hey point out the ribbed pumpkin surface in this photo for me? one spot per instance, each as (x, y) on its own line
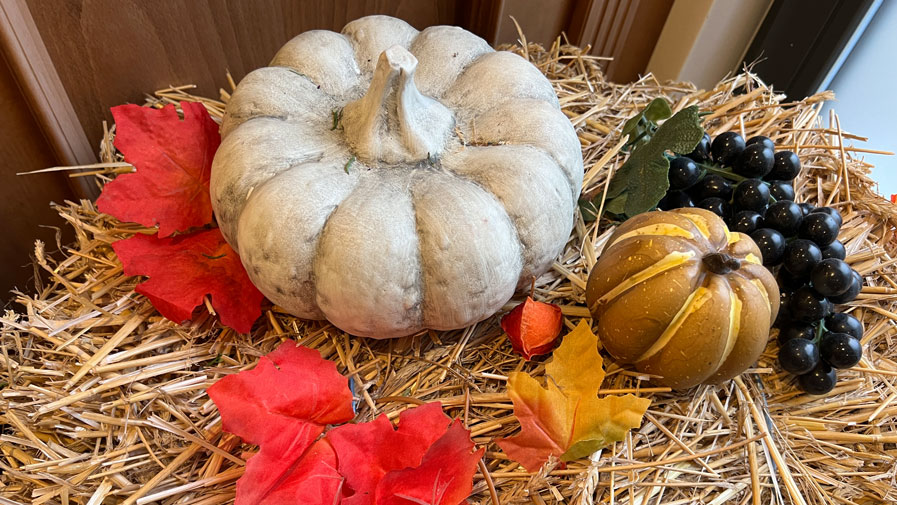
(682, 298)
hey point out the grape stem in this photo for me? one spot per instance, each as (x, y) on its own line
(722, 172)
(820, 329)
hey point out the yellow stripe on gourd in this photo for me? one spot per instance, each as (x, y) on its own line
(666, 263)
(661, 229)
(751, 258)
(695, 301)
(700, 223)
(734, 326)
(762, 288)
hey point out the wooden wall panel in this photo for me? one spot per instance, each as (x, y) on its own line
(25, 201)
(625, 30)
(109, 52)
(540, 21)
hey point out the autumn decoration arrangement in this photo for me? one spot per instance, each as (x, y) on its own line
(393, 181)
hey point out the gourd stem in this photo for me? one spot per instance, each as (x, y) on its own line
(721, 263)
(393, 122)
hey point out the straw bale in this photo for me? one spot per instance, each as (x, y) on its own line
(103, 400)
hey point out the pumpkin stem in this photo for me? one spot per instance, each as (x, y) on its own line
(393, 122)
(721, 263)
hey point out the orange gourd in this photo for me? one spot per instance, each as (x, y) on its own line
(682, 298)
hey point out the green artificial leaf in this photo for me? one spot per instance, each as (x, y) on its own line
(644, 178)
(620, 183)
(589, 208)
(617, 205)
(644, 123)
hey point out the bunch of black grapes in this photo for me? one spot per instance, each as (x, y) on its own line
(749, 185)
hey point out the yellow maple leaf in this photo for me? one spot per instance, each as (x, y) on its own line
(565, 417)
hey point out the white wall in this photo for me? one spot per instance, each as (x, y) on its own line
(866, 94)
(703, 40)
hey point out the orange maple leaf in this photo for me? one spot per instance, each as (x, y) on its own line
(565, 417)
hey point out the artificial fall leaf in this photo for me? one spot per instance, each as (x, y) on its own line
(291, 477)
(426, 461)
(283, 405)
(533, 327)
(444, 477)
(183, 269)
(173, 158)
(565, 418)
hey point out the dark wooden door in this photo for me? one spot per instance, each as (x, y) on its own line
(109, 52)
(24, 200)
(70, 60)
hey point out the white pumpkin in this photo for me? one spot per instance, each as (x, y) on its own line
(450, 180)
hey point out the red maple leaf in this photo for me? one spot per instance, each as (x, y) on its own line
(424, 461)
(286, 477)
(173, 158)
(282, 405)
(444, 477)
(533, 327)
(183, 269)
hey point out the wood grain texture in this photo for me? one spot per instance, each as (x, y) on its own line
(626, 30)
(24, 200)
(109, 52)
(539, 23)
(42, 89)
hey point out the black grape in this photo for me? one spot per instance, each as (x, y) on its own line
(839, 322)
(751, 194)
(818, 381)
(711, 186)
(831, 277)
(783, 318)
(781, 190)
(840, 350)
(701, 152)
(834, 250)
(760, 139)
(798, 355)
(820, 228)
(797, 330)
(800, 257)
(806, 208)
(785, 166)
(684, 173)
(856, 285)
(726, 148)
(755, 161)
(716, 205)
(808, 306)
(745, 221)
(675, 200)
(771, 244)
(783, 216)
(789, 282)
(832, 212)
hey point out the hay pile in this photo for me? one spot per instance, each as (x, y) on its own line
(103, 400)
